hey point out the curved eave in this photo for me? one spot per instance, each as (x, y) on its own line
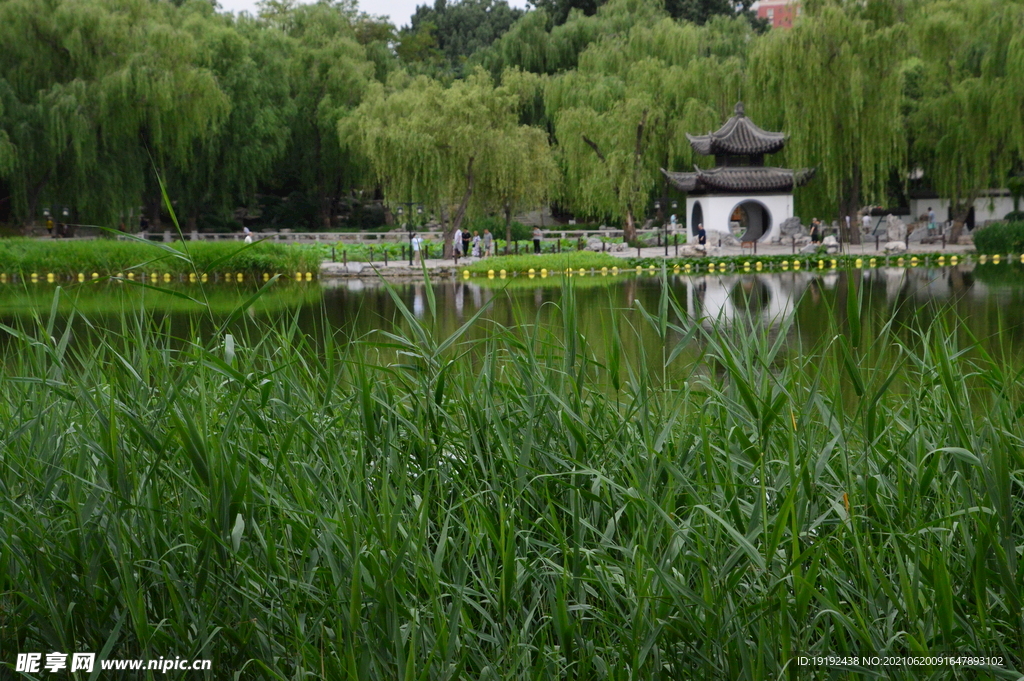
(739, 180)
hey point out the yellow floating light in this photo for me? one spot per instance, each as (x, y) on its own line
(531, 275)
(821, 264)
(465, 274)
(858, 263)
(298, 276)
(3, 278)
(746, 265)
(490, 274)
(834, 263)
(721, 267)
(35, 277)
(995, 259)
(675, 269)
(203, 278)
(651, 269)
(131, 276)
(953, 259)
(167, 276)
(309, 276)
(95, 275)
(503, 274)
(1022, 257)
(615, 271)
(582, 271)
(687, 267)
(758, 265)
(49, 277)
(796, 264)
(872, 262)
(266, 276)
(531, 271)
(913, 261)
(81, 277)
(900, 262)
(543, 273)
(241, 276)
(942, 260)
(785, 264)
(638, 269)
(192, 277)
(982, 259)
(604, 271)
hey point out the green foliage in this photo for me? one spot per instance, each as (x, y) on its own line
(1000, 237)
(965, 121)
(833, 83)
(330, 512)
(459, 29)
(550, 261)
(108, 257)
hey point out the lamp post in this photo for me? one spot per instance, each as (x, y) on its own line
(408, 225)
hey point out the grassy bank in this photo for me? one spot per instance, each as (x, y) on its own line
(110, 256)
(553, 262)
(516, 507)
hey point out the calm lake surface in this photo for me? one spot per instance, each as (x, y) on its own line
(989, 298)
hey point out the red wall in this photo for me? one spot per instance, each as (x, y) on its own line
(784, 12)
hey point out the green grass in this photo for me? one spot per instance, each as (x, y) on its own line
(553, 262)
(513, 507)
(110, 256)
(1005, 238)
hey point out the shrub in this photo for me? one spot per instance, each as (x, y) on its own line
(1001, 237)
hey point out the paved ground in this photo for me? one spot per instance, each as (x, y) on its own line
(442, 267)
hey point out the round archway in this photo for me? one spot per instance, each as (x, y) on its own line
(751, 220)
(696, 217)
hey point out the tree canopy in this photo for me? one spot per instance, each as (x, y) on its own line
(300, 115)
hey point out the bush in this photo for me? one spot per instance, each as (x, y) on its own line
(1014, 216)
(1001, 237)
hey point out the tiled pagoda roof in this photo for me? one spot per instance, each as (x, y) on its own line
(738, 135)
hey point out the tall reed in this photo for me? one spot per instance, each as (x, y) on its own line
(511, 506)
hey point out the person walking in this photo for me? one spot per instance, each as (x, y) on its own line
(488, 243)
(536, 239)
(457, 245)
(417, 244)
(476, 244)
(866, 221)
(931, 221)
(815, 231)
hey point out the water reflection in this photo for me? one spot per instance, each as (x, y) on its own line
(989, 300)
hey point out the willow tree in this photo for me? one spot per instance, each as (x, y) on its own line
(86, 120)
(440, 145)
(625, 110)
(833, 83)
(966, 117)
(328, 74)
(251, 67)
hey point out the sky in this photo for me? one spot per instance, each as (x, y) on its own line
(398, 10)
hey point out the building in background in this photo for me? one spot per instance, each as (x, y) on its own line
(779, 13)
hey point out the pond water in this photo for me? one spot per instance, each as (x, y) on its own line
(989, 298)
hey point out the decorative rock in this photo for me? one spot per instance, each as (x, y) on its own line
(594, 244)
(895, 247)
(895, 230)
(829, 242)
(791, 227)
(617, 247)
(692, 251)
(832, 250)
(918, 235)
(809, 248)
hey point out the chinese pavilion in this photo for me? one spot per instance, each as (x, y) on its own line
(740, 188)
